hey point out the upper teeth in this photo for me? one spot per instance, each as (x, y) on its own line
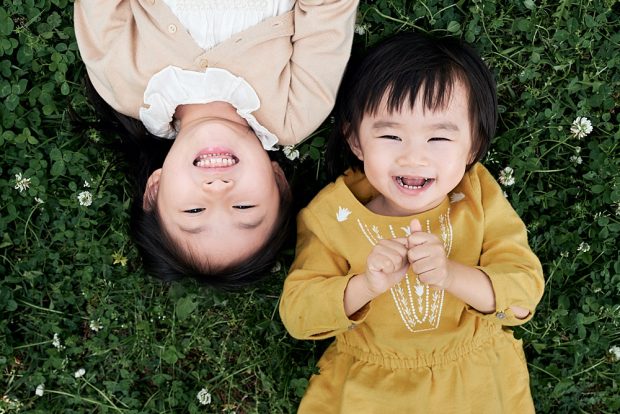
(212, 160)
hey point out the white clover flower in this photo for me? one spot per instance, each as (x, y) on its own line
(96, 326)
(86, 184)
(38, 200)
(614, 351)
(583, 247)
(576, 159)
(581, 127)
(360, 29)
(56, 342)
(79, 373)
(11, 404)
(290, 152)
(40, 390)
(276, 267)
(85, 198)
(204, 397)
(617, 209)
(21, 183)
(506, 177)
(564, 254)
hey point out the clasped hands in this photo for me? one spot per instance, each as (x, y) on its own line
(389, 260)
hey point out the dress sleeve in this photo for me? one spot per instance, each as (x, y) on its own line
(321, 50)
(312, 301)
(514, 270)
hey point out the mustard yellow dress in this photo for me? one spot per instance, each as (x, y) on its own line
(413, 349)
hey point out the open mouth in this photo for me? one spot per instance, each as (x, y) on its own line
(216, 160)
(413, 183)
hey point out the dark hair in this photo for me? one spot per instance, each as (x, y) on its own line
(399, 67)
(161, 256)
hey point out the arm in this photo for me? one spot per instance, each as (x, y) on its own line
(123, 43)
(321, 50)
(311, 305)
(507, 283)
(471, 285)
(506, 259)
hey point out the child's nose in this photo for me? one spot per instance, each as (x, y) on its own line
(413, 157)
(217, 185)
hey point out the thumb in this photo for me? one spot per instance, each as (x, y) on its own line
(415, 226)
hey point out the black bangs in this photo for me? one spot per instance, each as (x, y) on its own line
(401, 69)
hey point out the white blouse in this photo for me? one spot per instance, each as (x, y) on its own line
(209, 22)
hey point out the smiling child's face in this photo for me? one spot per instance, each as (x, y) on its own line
(217, 193)
(414, 157)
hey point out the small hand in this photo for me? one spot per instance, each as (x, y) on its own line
(428, 257)
(386, 265)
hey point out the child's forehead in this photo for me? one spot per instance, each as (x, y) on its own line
(433, 99)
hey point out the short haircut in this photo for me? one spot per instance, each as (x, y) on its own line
(162, 258)
(165, 259)
(401, 68)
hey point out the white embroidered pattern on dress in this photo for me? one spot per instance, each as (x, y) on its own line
(418, 305)
(342, 214)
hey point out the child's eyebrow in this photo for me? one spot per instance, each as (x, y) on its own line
(243, 226)
(445, 125)
(385, 124)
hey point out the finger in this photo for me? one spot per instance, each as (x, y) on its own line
(422, 237)
(423, 267)
(401, 240)
(424, 250)
(399, 245)
(381, 263)
(415, 255)
(415, 226)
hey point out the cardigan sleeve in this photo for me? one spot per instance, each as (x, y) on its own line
(312, 301)
(123, 43)
(321, 49)
(506, 258)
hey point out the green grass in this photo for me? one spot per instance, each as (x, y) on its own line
(67, 268)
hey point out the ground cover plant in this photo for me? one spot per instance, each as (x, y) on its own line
(82, 329)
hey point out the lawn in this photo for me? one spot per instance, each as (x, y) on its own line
(83, 329)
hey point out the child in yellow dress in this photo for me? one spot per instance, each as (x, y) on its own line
(413, 259)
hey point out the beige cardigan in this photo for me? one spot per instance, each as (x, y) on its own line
(293, 61)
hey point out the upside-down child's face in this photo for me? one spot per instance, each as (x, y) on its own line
(415, 157)
(217, 193)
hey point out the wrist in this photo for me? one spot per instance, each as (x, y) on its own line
(450, 272)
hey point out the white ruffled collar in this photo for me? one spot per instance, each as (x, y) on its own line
(174, 86)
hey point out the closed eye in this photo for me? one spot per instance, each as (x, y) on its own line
(243, 207)
(392, 137)
(439, 139)
(194, 210)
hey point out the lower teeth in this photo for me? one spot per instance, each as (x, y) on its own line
(410, 187)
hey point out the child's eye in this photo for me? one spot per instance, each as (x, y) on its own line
(393, 137)
(243, 207)
(193, 210)
(439, 139)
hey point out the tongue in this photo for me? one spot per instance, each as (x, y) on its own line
(416, 182)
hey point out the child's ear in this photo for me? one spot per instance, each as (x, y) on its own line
(150, 193)
(354, 144)
(281, 181)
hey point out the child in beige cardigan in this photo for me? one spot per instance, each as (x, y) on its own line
(228, 84)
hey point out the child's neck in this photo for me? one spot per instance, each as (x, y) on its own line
(186, 114)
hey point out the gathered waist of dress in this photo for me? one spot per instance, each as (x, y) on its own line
(481, 340)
